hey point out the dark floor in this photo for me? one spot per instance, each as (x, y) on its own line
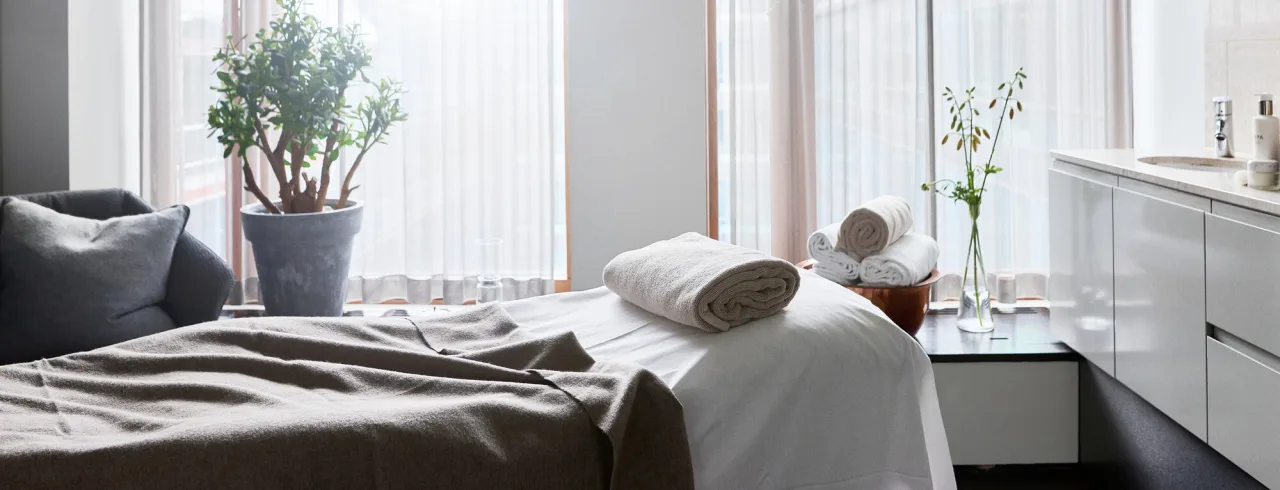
(1037, 477)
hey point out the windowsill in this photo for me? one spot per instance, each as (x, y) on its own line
(1022, 306)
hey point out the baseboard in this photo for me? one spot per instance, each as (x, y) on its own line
(1037, 476)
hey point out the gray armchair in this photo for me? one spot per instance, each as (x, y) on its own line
(199, 281)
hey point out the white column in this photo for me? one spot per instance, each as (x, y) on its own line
(636, 117)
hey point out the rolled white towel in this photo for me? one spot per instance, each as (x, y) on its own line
(703, 283)
(874, 225)
(832, 265)
(905, 262)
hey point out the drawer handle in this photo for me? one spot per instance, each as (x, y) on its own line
(1245, 348)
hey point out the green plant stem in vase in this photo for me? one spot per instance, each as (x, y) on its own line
(975, 299)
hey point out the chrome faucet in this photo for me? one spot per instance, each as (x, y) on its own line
(1222, 127)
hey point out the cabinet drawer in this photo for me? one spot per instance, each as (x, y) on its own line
(1242, 277)
(1244, 424)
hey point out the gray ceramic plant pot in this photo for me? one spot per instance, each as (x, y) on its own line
(302, 259)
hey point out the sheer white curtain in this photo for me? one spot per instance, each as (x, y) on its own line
(872, 75)
(481, 156)
(744, 64)
(1074, 98)
(873, 105)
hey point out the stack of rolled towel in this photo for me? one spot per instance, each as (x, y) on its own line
(874, 245)
(703, 283)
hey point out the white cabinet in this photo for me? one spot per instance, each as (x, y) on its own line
(1080, 262)
(1178, 297)
(1244, 424)
(1160, 299)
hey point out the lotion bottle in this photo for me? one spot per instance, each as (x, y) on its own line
(1266, 130)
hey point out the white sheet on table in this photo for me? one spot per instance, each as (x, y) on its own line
(828, 394)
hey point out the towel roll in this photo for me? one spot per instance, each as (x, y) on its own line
(905, 262)
(874, 225)
(703, 283)
(832, 265)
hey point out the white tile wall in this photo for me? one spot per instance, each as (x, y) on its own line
(1242, 58)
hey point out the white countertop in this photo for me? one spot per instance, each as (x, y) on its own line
(1218, 186)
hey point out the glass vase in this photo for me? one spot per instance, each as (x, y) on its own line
(974, 313)
(490, 281)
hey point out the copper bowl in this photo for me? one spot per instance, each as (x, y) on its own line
(905, 305)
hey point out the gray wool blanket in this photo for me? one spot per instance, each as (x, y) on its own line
(460, 401)
(703, 283)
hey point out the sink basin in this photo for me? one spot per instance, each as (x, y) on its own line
(1202, 164)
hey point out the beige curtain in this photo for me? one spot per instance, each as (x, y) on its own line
(1119, 76)
(765, 123)
(792, 161)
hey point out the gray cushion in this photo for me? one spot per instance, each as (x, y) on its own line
(199, 280)
(73, 284)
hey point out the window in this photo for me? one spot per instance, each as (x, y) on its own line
(201, 178)
(481, 156)
(873, 71)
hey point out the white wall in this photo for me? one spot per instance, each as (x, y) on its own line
(1242, 58)
(1169, 96)
(33, 95)
(105, 122)
(636, 115)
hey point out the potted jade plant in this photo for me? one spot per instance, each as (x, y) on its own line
(975, 300)
(285, 93)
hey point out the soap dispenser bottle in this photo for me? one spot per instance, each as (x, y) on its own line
(1266, 130)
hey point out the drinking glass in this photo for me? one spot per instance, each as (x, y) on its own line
(490, 280)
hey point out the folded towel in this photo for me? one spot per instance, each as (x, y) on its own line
(905, 262)
(832, 264)
(703, 283)
(874, 225)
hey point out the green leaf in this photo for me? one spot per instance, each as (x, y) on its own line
(1019, 106)
(993, 104)
(944, 138)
